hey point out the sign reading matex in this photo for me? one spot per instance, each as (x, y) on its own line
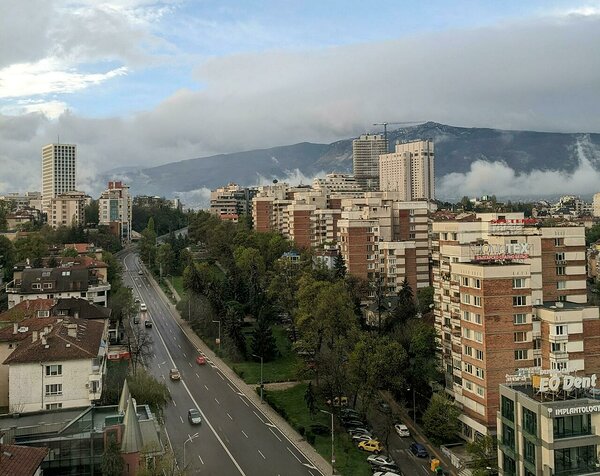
(507, 251)
(566, 382)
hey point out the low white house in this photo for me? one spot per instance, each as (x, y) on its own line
(60, 367)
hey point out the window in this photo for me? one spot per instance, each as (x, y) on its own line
(53, 406)
(578, 460)
(520, 318)
(508, 408)
(479, 372)
(477, 336)
(559, 366)
(575, 425)
(519, 300)
(529, 452)
(468, 385)
(465, 281)
(468, 351)
(561, 285)
(43, 314)
(508, 436)
(559, 241)
(560, 256)
(518, 283)
(36, 286)
(467, 333)
(53, 370)
(466, 316)
(480, 391)
(47, 285)
(477, 318)
(529, 422)
(537, 361)
(54, 389)
(467, 367)
(560, 270)
(560, 330)
(508, 465)
(477, 301)
(479, 354)
(477, 283)
(520, 336)
(466, 299)
(521, 354)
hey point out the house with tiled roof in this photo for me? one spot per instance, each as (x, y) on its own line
(17, 460)
(60, 367)
(62, 282)
(27, 309)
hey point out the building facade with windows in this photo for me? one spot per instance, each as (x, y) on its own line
(115, 210)
(366, 150)
(68, 209)
(58, 171)
(495, 278)
(547, 433)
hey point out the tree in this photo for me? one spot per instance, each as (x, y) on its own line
(440, 420)
(7, 257)
(263, 342)
(310, 399)
(339, 267)
(139, 344)
(32, 247)
(192, 279)
(146, 389)
(69, 253)
(112, 461)
(405, 309)
(91, 213)
(484, 456)
(165, 258)
(425, 299)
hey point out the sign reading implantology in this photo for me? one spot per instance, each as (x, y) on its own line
(575, 410)
(507, 251)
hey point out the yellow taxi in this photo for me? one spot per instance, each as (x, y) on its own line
(372, 446)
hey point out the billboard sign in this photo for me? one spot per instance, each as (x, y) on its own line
(507, 251)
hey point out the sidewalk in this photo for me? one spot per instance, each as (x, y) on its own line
(416, 431)
(309, 452)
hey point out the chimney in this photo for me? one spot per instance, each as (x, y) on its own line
(15, 327)
(72, 330)
(34, 336)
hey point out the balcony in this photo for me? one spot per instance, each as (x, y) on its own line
(559, 338)
(13, 287)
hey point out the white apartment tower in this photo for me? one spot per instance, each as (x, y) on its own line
(365, 159)
(409, 170)
(58, 171)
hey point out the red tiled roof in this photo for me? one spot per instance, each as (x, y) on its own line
(26, 309)
(81, 248)
(8, 334)
(60, 345)
(20, 460)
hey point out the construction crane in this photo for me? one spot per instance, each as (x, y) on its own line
(385, 124)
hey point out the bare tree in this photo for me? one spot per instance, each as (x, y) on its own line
(139, 343)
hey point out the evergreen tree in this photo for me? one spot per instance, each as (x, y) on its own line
(192, 279)
(339, 267)
(406, 308)
(112, 462)
(263, 341)
(310, 399)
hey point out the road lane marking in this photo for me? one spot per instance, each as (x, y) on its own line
(219, 374)
(217, 401)
(185, 356)
(245, 402)
(229, 385)
(179, 346)
(174, 403)
(230, 417)
(201, 460)
(206, 420)
(197, 375)
(181, 418)
(269, 424)
(261, 420)
(309, 466)
(190, 364)
(264, 457)
(240, 394)
(205, 386)
(274, 434)
(244, 433)
(292, 453)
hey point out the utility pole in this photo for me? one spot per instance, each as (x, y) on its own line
(332, 440)
(261, 376)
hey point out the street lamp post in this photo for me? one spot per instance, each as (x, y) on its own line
(219, 339)
(190, 438)
(261, 376)
(332, 453)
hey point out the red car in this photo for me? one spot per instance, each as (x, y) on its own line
(201, 360)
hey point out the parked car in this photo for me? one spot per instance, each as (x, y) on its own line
(359, 431)
(201, 360)
(372, 446)
(174, 374)
(401, 430)
(384, 407)
(194, 416)
(147, 323)
(389, 473)
(354, 424)
(349, 412)
(418, 450)
(339, 400)
(381, 461)
(358, 438)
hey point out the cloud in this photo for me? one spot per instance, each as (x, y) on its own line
(497, 178)
(536, 75)
(50, 109)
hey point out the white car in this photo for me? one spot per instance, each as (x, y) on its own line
(381, 461)
(386, 473)
(143, 307)
(402, 430)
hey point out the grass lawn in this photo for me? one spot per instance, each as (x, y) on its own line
(177, 283)
(350, 461)
(282, 369)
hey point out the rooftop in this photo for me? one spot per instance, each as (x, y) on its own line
(22, 330)
(562, 305)
(20, 460)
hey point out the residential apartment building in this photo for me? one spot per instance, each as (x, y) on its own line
(492, 274)
(232, 201)
(58, 171)
(338, 184)
(68, 209)
(596, 205)
(365, 159)
(410, 170)
(20, 201)
(61, 367)
(115, 210)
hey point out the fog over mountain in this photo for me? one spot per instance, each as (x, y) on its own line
(469, 161)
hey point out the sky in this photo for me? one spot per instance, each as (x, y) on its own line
(145, 82)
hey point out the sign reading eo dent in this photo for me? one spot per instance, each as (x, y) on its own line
(566, 382)
(507, 251)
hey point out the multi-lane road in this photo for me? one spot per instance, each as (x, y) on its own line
(235, 437)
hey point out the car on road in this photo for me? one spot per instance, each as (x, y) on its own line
(381, 461)
(372, 446)
(201, 360)
(136, 319)
(137, 300)
(143, 307)
(141, 273)
(396, 472)
(401, 430)
(174, 374)
(148, 323)
(194, 416)
(418, 450)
